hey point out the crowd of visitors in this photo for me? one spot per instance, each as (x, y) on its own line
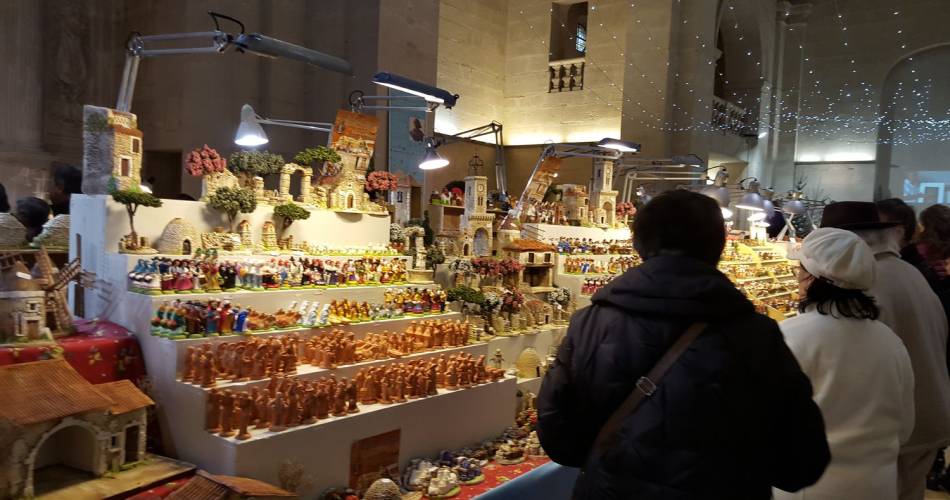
(671, 386)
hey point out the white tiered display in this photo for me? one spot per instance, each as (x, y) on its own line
(451, 419)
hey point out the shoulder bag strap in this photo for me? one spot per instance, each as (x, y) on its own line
(645, 387)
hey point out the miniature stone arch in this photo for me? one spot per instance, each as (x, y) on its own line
(306, 190)
(89, 457)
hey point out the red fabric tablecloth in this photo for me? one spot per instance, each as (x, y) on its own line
(495, 475)
(99, 350)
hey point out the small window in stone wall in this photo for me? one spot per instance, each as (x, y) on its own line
(568, 30)
(136, 145)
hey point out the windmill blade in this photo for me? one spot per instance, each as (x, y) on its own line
(57, 304)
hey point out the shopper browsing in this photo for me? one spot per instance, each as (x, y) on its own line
(861, 372)
(911, 309)
(732, 416)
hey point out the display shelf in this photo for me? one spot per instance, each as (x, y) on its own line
(750, 280)
(250, 293)
(307, 372)
(552, 231)
(774, 296)
(358, 329)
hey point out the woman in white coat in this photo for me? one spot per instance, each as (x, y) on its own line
(859, 369)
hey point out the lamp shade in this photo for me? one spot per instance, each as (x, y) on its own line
(794, 207)
(768, 207)
(423, 90)
(432, 160)
(618, 145)
(250, 132)
(720, 194)
(751, 201)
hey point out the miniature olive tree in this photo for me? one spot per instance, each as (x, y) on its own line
(250, 164)
(317, 157)
(289, 212)
(133, 199)
(233, 200)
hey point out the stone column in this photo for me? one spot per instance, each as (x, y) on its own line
(21, 96)
(790, 27)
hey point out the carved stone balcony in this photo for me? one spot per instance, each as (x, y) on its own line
(566, 75)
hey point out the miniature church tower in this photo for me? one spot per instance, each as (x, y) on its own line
(112, 149)
(476, 223)
(603, 199)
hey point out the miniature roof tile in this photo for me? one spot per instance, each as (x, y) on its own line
(18, 279)
(523, 245)
(205, 486)
(125, 396)
(45, 390)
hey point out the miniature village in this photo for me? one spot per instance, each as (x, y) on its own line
(284, 329)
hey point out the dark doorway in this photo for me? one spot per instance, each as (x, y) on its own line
(132, 444)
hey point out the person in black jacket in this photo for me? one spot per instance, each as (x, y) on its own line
(734, 415)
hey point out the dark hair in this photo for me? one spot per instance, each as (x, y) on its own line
(848, 303)
(4, 202)
(895, 210)
(69, 178)
(935, 220)
(680, 222)
(32, 212)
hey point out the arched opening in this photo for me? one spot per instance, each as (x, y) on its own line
(66, 457)
(349, 201)
(296, 184)
(481, 242)
(186, 247)
(465, 249)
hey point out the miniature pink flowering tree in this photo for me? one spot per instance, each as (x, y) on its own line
(204, 161)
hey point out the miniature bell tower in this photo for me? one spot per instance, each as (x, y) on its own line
(603, 199)
(476, 223)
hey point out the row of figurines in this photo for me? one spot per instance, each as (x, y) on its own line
(288, 402)
(211, 318)
(616, 265)
(260, 358)
(162, 275)
(591, 285)
(514, 446)
(591, 246)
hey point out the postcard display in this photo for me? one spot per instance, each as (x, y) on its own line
(343, 226)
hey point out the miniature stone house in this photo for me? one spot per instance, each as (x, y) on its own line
(112, 149)
(269, 236)
(22, 306)
(476, 223)
(55, 234)
(178, 238)
(346, 191)
(538, 261)
(244, 229)
(603, 199)
(53, 416)
(12, 232)
(576, 201)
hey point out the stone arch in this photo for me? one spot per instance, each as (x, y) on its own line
(306, 177)
(95, 461)
(186, 246)
(466, 250)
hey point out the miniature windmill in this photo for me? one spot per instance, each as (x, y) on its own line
(54, 284)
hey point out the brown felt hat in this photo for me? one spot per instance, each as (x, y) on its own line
(854, 215)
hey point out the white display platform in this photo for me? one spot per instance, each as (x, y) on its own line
(450, 420)
(553, 231)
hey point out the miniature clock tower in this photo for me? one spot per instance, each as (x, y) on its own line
(603, 199)
(476, 223)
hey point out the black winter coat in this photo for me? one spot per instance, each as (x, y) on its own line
(732, 418)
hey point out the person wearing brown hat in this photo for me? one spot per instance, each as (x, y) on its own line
(911, 309)
(863, 380)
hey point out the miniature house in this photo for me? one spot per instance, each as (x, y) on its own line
(178, 238)
(476, 223)
(52, 417)
(506, 235)
(22, 306)
(12, 232)
(346, 191)
(112, 149)
(538, 261)
(214, 487)
(603, 199)
(55, 234)
(244, 229)
(575, 201)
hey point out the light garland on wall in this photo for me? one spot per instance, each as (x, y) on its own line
(921, 126)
